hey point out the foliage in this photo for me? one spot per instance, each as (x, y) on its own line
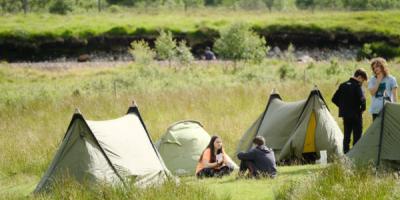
(238, 42)
(381, 49)
(184, 55)
(334, 68)
(165, 46)
(287, 71)
(142, 53)
(60, 7)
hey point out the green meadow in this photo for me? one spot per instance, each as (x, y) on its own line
(36, 106)
(147, 23)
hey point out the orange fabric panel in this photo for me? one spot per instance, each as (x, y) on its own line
(309, 143)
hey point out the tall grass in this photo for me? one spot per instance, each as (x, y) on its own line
(37, 105)
(343, 180)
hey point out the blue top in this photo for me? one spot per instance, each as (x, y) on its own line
(385, 89)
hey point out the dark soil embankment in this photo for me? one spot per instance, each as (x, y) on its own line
(40, 48)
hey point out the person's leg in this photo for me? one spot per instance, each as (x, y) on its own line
(225, 170)
(242, 168)
(206, 172)
(347, 124)
(357, 129)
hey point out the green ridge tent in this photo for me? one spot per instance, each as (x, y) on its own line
(181, 146)
(380, 144)
(296, 130)
(111, 151)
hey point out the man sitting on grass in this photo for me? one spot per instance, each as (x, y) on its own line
(260, 160)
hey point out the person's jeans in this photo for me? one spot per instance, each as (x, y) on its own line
(211, 172)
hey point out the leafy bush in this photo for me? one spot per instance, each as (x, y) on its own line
(60, 7)
(238, 42)
(142, 53)
(184, 55)
(250, 4)
(381, 49)
(115, 9)
(286, 71)
(333, 68)
(165, 46)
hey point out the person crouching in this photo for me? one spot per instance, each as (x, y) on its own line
(213, 161)
(259, 161)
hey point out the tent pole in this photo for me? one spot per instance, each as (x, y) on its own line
(381, 135)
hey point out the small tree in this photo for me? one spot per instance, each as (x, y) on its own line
(238, 42)
(184, 55)
(142, 53)
(269, 4)
(60, 7)
(165, 46)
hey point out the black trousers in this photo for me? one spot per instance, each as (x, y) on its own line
(374, 116)
(211, 172)
(351, 125)
(247, 165)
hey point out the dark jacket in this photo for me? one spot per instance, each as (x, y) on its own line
(350, 99)
(209, 55)
(262, 157)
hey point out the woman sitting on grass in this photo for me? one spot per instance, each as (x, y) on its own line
(213, 161)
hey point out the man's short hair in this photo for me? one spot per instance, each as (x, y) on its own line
(259, 140)
(361, 72)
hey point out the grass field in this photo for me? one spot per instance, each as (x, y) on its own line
(134, 22)
(36, 106)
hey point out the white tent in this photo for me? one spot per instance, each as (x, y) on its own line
(110, 151)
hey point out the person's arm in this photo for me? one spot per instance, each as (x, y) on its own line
(207, 164)
(250, 155)
(206, 160)
(373, 86)
(394, 89)
(394, 92)
(361, 99)
(336, 97)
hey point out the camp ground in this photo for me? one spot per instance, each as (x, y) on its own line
(296, 130)
(380, 144)
(181, 146)
(113, 151)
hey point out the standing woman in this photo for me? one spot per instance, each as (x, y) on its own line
(213, 161)
(381, 85)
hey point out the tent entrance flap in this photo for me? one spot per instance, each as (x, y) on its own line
(309, 142)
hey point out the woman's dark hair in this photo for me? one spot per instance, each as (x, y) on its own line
(211, 146)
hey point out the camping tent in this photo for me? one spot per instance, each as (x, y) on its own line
(181, 146)
(381, 142)
(111, 151)
(296, 130)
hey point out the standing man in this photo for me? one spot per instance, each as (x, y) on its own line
(259, 160)
(350, 99)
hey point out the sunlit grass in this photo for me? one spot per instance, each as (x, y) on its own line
(36, 107)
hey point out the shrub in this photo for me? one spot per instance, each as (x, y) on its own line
(60, 7)
(333, 68)
(184, 55)
(286, 71)
(238, 42)
(142, 53)
(165, 46)
(115, 9)
(381, 49)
